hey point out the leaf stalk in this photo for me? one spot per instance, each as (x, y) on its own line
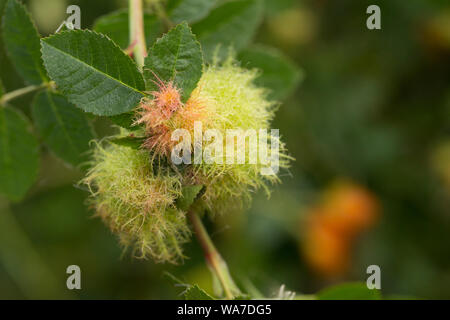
(213, 258)
(22, 91)
(137, 33)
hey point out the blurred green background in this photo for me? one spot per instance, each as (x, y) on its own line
(373, 108)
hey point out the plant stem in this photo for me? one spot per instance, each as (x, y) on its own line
(20, 92)
(137, 34)
(213, 258)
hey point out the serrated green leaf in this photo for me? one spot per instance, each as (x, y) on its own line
(176, 57)
(64, 128)
(194, 292)
(189, 10)
(93, 72)
(232, 24)
(349, 291)
(130, 141)
(278, 73)
(116, 26)
(22, 43)
(8, 73)
(189, 194)
(18, 154)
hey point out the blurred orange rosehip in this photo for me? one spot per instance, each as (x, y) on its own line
(344, 211)
(349, 209)
(326, 251)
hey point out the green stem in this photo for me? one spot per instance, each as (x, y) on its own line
(137, 34)
(213, 258)
(20, 92)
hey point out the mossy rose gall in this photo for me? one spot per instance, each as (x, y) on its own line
(135, 190)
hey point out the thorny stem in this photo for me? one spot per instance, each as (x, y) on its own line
(213, 258)
(22, 91)
(137, 34)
